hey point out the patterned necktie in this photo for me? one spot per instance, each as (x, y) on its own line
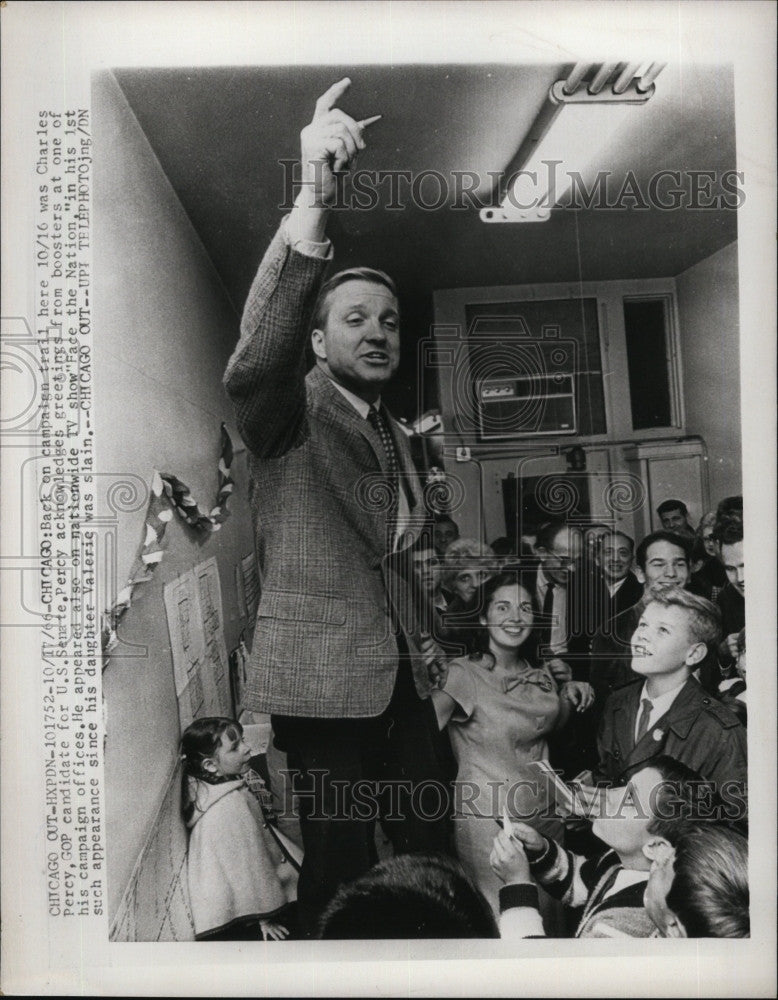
(645, 715)
(548, 614)
(381, 427)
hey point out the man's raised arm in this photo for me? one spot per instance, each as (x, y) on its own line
(265, 377)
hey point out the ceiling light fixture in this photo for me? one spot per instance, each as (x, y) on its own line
(574, 126)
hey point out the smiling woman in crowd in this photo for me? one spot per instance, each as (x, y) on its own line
(500, 705)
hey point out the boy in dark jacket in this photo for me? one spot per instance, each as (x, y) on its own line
(667, 711)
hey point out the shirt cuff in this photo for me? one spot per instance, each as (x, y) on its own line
(308, 248)
(519, 912)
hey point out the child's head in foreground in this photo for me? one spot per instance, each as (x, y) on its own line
(410, 896)
(673, 634)
(699, 888)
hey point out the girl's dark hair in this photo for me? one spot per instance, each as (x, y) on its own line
(410, 896)
(508, 576)
(201, 740)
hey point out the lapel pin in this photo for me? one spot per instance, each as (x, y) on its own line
(658, 734)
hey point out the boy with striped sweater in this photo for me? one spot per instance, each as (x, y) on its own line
(633, 821)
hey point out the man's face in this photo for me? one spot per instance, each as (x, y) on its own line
(732, 557)
(740, 664)
(426, 566)
(666, 566)
(558, 560)
(661, 644)
(443, 534)
(360, 344)
(675, 520)
(615, 557)
(627, 813)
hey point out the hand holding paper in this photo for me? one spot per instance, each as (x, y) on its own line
(508, 859)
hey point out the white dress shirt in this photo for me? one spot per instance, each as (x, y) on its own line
(403, 510)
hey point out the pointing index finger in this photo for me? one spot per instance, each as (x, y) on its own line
(330, 97)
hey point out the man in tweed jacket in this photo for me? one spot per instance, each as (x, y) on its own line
(334, 619)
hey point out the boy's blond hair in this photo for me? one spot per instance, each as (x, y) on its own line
(703, 618)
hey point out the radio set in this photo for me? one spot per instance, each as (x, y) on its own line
(526, 405)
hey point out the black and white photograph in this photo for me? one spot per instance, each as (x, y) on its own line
(387, 388)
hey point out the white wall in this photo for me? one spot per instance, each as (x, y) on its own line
(710, 345)
(163, 332)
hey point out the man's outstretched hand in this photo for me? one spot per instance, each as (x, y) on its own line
(329, 145)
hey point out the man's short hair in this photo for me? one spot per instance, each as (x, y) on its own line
(730, 506)
(322, 307)
(667, 505)
(679, 541)
(709, 893)
(703, 617)
(410, 896)
(615, 534)
(728, 530)
(548, 532)
(677, 799)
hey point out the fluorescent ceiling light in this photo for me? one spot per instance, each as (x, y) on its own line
(566, 144)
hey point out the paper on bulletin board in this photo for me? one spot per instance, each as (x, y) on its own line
(196, 625)
(216, 674)
(187, 642)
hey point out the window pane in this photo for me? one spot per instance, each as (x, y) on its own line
(649, 380)
(564, 337)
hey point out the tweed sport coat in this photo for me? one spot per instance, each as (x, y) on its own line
(325, 643)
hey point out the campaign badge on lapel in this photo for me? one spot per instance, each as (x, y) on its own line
(658, 734)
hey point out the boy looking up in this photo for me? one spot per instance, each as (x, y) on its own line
(666, 710)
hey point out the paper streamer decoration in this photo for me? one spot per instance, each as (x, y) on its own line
(168, 494)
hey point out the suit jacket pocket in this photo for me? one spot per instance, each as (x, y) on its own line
(291, 606)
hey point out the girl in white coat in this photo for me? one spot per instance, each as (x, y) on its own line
(242, 874)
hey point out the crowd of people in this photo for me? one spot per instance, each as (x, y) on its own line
(549, 728)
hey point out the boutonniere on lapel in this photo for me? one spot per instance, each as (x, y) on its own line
(658, 734)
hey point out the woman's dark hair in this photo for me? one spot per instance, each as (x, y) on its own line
(200, 741)
(509, 576)
(410, 896)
